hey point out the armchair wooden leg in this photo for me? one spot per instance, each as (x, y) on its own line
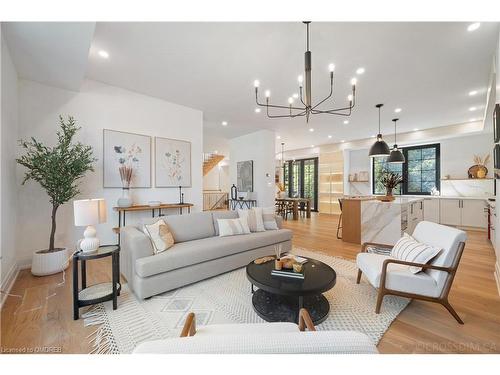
(452, 311)
(380, 298)
(359, 276)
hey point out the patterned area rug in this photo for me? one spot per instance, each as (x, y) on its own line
(227, 299)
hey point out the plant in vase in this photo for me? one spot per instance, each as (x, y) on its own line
(390, 180)
(126, 172)
(57, 169)
(277, 252)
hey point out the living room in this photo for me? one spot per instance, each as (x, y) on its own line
(169, 189)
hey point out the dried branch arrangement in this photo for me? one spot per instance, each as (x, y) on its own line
(390, 179)
(126, 175)
(478, 160)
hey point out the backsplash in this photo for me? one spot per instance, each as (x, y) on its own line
(467, 188)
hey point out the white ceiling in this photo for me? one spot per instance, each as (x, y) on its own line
(427, 69)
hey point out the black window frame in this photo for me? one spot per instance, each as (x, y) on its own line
(404, 185)
(290, 183)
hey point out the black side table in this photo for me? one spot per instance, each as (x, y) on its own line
(91, 295)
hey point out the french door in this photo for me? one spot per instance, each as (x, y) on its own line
(301, 179)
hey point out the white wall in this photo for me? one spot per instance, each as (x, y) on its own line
(359, 161)
(259, 147)
(8, 167)
(97, 106)
(218, 178)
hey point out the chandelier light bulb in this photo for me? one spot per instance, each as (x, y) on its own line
(295, 96)
(256, 83)
(331, 68)
(268, 93)
(349, 97)
(354, 81)
(300, 79)
(290, 100)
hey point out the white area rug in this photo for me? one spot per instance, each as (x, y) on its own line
(227, 299)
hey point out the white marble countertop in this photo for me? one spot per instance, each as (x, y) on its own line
(398, 200)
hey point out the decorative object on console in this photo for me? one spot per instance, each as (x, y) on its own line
(396, 156)
(57, 169)
(128, 150)
(172, 162)
(244, 175)
(234, 192)
(126, 172)
(308, 108)
(379, 148)
(390, 181)
(479, 170)
(89, 212)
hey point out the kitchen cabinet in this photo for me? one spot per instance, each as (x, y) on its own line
(463, 212)
(415, 215)
(431, 210)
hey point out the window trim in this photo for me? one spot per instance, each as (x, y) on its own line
(404, 185)
(289, 163)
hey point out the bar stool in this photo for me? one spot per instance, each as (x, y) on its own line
(339, 225)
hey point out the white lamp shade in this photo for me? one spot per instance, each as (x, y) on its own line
(89, 212)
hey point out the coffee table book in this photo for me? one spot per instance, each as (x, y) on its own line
(288, 273)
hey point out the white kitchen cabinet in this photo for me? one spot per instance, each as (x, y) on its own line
(415, 215)
(431, 210)
(450, 211)
(474, 213)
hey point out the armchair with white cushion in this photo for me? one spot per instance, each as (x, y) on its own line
(393, 276)
(259, 338)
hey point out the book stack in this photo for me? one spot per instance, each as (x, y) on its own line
(288, 274)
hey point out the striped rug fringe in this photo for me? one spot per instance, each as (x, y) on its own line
(102, 339)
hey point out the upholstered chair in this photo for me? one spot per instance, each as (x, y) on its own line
(393, 277)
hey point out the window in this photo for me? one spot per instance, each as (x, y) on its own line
(420, 171)
(300, 179)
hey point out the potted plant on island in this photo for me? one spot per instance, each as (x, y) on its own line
(57, 169)
(390, 180)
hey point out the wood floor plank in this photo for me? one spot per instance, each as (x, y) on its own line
(43, 317)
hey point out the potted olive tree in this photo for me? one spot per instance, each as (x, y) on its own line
(57, 169)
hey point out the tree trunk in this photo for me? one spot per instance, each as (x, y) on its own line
(53, 227)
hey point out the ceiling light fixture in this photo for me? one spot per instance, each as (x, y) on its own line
(473, 92)
(473, 26)
(342, 141)
(397, 110)
(396, 156)
(360, 70)
(224, 123)
(379, 148)
(104, 54)
(472, 109)
(312, 145)
(346, 122)
(278, 137)
(305, 93)
(330, 136)
(416, 129)
(311, 129)
(257, 110)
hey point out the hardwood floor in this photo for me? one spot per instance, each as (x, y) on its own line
(42, 319)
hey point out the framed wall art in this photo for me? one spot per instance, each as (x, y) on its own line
(172, 162)
(130, 150)
(244, 176)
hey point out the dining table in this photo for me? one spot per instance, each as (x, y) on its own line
(295, 203)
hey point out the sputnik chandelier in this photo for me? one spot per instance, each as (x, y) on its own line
(307, 108)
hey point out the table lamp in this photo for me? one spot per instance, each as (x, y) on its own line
(89, 212)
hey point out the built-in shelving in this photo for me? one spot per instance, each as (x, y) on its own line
(331, 181)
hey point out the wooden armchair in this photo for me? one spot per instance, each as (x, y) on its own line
(433, 284)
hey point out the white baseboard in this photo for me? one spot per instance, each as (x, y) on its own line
(497, 275)
(9, 282)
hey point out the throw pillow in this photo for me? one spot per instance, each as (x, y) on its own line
(269, 218)
(410, 250)
(160, 236)
(232, 227)
(253, 218)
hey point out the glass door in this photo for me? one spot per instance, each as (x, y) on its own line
(301, 180)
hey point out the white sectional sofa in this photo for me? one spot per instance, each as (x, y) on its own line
(198, 252)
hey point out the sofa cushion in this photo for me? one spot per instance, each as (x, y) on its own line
(399, 277)
(191, 226)
(192, 252)
(409, 250)
(222, 215)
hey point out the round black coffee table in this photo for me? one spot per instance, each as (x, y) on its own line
(279, 299)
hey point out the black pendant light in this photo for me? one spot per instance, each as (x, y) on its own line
(379, 148)
(396, 155)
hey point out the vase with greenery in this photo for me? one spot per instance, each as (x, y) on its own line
(57, 169)
(390, 180)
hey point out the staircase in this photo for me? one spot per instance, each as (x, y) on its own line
(210, 161)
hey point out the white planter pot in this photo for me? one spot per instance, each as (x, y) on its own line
(47, 263)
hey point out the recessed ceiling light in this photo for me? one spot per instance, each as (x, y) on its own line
(342, 141)
(346, 122)
(224, 123)
(473, 26)
(312, 145)
(373, 135)
(472, 109)
(415, 129)
(104, 54)
(330, 136)
(360, 70)
(397, 110)
(311, 129)
(278, 137)
(257, 110)
(473, 92)
(216, 152)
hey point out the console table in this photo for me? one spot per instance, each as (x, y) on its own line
(242, 203)
(144, 207)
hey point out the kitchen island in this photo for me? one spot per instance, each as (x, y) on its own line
(366, 219)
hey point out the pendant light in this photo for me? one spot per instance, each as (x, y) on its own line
(396, 155)
(379, 148)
